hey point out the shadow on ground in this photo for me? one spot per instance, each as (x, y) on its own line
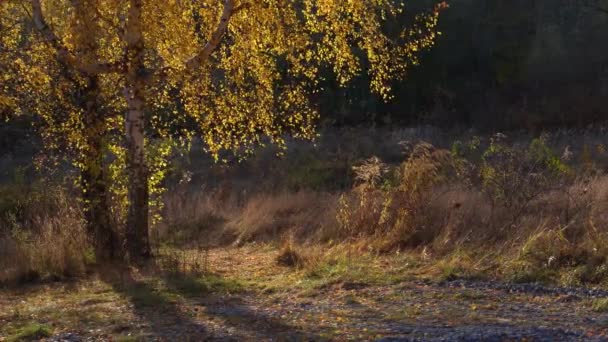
(186, 307)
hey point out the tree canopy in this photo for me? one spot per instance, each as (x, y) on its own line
(235, 72)
(250, 83)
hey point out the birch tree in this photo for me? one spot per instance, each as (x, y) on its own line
(107, 75)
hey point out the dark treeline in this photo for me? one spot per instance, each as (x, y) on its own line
(500, 64)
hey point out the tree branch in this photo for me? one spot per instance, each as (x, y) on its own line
(63, 53)
(216, 37)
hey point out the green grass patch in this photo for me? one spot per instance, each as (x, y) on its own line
(526, 272)
(148, 295)
(354, 270)
(189, 286)
(171, 289)
(404, 314)
(129, 338)
(600, 305)
(470, 296)
(33, 331)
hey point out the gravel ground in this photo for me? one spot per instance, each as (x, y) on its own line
(416, 311)
(454, 311)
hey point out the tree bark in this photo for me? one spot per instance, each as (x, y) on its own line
(94, 183)
(96, 209)
(137, 233)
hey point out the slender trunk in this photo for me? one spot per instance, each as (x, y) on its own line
(97, 211)
(94, 183)
(138, 244)
(137, 215)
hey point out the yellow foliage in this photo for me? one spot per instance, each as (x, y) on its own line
(254, 85)
(68, 64)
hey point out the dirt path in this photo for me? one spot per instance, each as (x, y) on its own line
(217, 308)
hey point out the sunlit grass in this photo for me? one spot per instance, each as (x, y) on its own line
(29, 332)
(600, 305)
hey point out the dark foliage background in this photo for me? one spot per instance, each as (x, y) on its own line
(499, 65)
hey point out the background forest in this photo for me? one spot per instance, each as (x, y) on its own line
(500, 65)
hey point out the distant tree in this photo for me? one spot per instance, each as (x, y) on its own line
(235, 72)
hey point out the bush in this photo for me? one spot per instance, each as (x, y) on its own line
(512, 178)
(401, 210)
(289, 256)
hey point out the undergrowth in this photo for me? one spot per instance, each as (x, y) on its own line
(41, 234)
(480, 207)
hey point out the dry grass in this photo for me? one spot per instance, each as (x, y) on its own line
(209, 220)
(192, 217)
(43, 237)
(303, 215)
(290, 256)
(541, 210)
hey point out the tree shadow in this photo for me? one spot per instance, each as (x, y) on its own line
(214, 308)
(161, 314)
(223, 299)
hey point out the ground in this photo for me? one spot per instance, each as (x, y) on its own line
(244, 295)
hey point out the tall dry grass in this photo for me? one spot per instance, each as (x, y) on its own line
(542, 213)
(215, 218)
(42, 234)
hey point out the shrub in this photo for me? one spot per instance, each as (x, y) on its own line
(514, 177)
(401, 213)
(289, 256)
